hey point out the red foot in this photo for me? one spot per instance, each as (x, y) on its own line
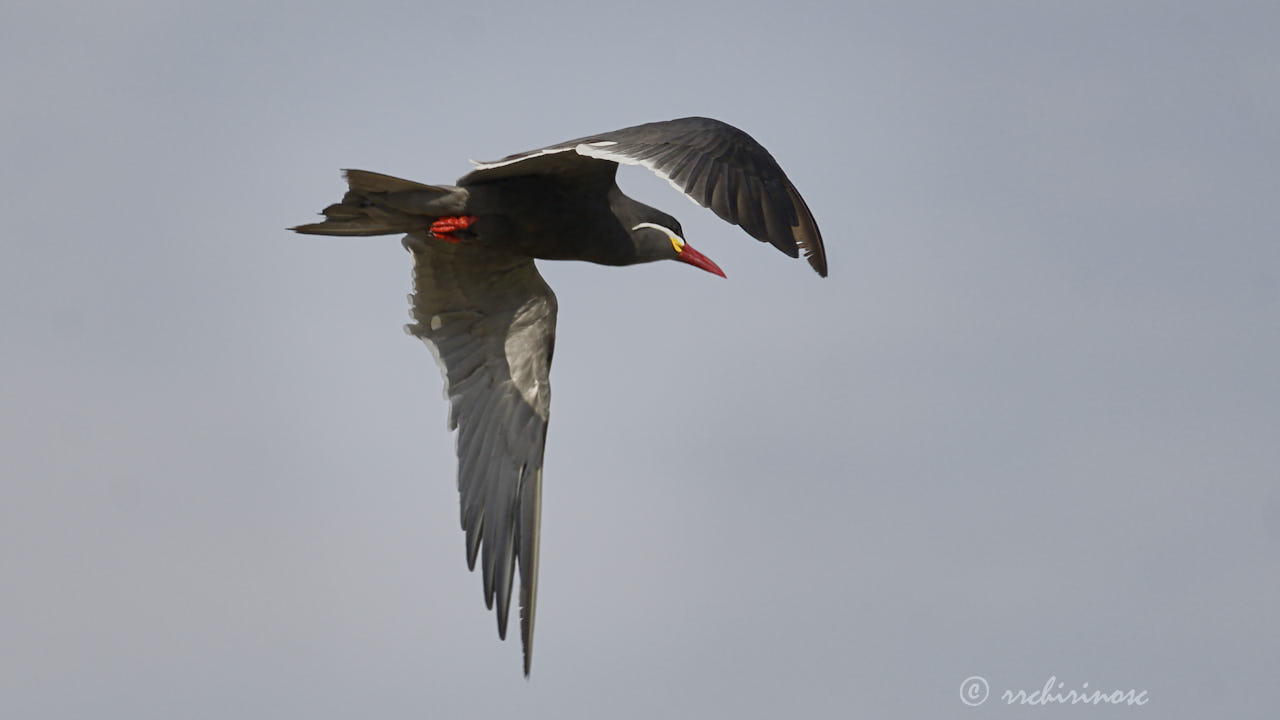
(444, 227)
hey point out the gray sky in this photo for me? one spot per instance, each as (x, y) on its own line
(1027, 428)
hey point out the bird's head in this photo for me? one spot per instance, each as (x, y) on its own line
(663, 241)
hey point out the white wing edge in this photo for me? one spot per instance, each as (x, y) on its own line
(595, 150)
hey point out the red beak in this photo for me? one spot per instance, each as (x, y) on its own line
(698, 260)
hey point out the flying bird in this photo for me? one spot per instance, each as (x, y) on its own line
(485, 312)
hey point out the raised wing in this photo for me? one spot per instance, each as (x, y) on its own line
(489, 318)
(716, 165)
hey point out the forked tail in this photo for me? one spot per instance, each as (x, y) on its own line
(377, 204)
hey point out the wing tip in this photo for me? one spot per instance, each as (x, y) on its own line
(819, 264)
(806, 234)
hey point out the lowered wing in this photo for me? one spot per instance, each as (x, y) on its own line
(489, 318)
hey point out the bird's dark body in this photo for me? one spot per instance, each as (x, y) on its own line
(549, 219)
(489, 317)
